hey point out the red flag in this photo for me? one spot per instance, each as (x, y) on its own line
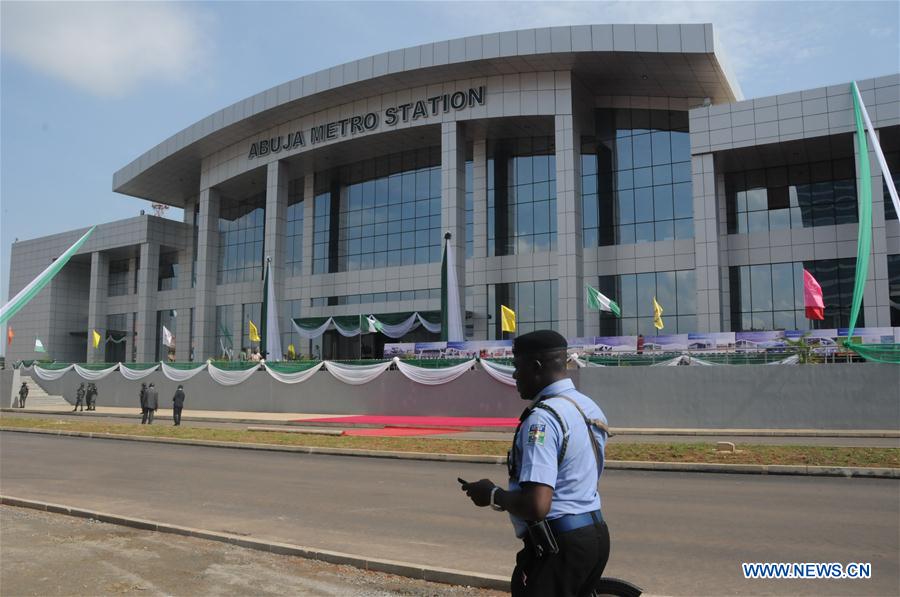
(10, 334)
(812, 297)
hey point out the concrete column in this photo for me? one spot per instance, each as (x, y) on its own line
(876, 295)
(309, 179)
(207, 265)
(570, 262)
(476, 277)
(99, 291)
(148, 276)
(453, 199)
(706, 243)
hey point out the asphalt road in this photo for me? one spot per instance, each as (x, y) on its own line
(849, 442)
(673, 534)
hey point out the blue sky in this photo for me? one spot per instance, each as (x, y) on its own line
(87, 87)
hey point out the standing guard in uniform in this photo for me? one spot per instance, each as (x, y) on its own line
(23, 394)
(79, 398)
(91, 396)
(554, 465)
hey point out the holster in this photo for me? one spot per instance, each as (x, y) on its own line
(543, 542)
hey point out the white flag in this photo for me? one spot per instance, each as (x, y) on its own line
(168, 338)
(39, 346)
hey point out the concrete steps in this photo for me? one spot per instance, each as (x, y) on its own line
(38, 398)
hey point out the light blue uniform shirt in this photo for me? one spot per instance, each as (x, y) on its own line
(537, 447)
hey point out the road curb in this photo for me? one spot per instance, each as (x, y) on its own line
(681, 467)
(407, 569)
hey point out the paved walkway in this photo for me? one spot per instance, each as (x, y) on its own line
(243, 419)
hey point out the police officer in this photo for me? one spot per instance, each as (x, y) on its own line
(554, 464)
(79, 398)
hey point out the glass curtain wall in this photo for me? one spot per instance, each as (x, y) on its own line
(521, 196)
(241, 234)
(379, 213)
(893, 263)
(224, 333)
(889, 137)
(535, 304)
(290, 310)
(770, 296)
(470, 211)
(167, 277)
(636, 178)
(119, 281)
(116, 337)
(294, 229)
(676, 292)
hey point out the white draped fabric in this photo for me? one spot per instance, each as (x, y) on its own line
(298, 377)
(92, 375)
(346, 333)
(433, 377)
(180, 375)
(502, 373)
(135, 374)
(314, 333)
(399, 330)
(356, 375)
(434, 328)
(51, 374)
(230, 377)
(683, 359)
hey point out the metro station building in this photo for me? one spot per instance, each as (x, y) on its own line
(622, 157)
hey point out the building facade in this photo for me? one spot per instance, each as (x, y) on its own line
(617, 156)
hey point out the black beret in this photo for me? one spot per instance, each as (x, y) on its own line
(539, 341)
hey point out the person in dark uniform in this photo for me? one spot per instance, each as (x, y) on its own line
(554, 465)
(151, 403)
(79, 398)
(143, 397)
(177, 405)
(90, 396)
(23, 394)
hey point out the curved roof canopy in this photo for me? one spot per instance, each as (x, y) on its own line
(643, 60)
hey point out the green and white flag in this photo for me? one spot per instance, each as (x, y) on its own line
(599, 302)
(34, 287)
(369, 324)
(39, 346)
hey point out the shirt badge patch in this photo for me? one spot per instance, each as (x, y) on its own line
(537, 434)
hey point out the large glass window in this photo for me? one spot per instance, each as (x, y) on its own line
(117, 326)
(675, 291)
(294, 231)
(167, 278)
(893, 262)
(535, 304)
(770, 296)
(803, 195)
(224, 333)
(291, 309)
(241, 232)
(379, 213)
(119, 281)
(636, 178)
(522, 196)
(377, 297)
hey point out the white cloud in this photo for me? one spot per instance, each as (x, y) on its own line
(105, 48)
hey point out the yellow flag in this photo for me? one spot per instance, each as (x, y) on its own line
(507, 319)
(96, 339)
(657, 315)
(254, 333)
(291, 351)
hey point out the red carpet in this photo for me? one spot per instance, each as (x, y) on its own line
(428, 422)
(399, 431)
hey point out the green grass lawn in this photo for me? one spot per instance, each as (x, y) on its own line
(675, 452)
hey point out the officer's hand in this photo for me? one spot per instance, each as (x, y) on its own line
(479, 491)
